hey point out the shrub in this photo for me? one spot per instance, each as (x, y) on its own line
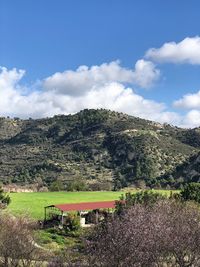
(4, 199)
(73, 222)
(146, 197)
(191, 191)
(56, 186)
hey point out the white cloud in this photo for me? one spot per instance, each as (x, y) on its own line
(111, 95)
(42, 103)
(191, 119)
(83, 79)
(186, 51)
(189, 101)
(145, 73)
(116, 97)
(9, 89)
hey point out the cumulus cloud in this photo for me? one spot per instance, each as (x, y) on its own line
(191, 119)
(83, 79)
(42, 103)
(9, 89)
(15, 100)
(145, 73)
(186, 51)
(189, 101)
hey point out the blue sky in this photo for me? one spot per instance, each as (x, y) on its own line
(46, 37)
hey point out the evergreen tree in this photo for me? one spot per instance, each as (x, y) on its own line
(4, 199)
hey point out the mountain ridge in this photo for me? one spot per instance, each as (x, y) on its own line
(95, 149)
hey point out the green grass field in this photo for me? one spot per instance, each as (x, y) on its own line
(33, 203)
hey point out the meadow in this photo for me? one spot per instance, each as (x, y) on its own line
(33, 203)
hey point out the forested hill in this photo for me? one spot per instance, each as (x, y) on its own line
(97, 149)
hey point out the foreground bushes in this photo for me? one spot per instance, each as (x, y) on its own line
(17, 246)
(191, 191)
(167, 232)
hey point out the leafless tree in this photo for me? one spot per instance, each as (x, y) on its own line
(165, 234)
(17, 247)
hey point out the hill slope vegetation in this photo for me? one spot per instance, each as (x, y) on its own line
(97, 149)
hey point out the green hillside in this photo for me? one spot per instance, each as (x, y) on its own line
(95, 150)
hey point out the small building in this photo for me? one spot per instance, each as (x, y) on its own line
(89, 212)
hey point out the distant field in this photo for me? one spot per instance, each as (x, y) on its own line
(34, 203)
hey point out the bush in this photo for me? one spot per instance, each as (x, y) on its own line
(56, 186)
(77, 185)
(191, 191)
(146, 197)
(73, 222)
(4, 199)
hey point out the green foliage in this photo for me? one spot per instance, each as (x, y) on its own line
(97, 147)
(4, 199)
(191, 191)
(50, 235)
(76, 185)
(73, 222)
(56, 186)
(145, 197)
